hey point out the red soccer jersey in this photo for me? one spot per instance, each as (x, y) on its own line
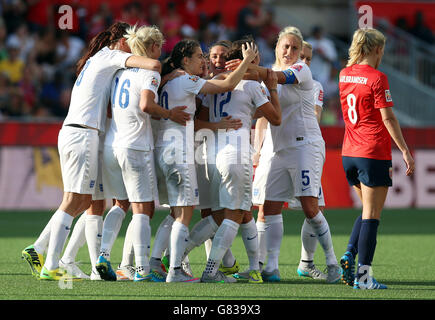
(364, 90)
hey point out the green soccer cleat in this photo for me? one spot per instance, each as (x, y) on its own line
(56, 275)
(255, 276)
(230, 270)
(165, 263)
(34, 259)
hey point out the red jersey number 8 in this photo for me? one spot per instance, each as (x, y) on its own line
(351, 112)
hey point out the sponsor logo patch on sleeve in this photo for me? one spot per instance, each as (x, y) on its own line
(154, 82)
(320, 95)
(194, 78)
(388, 96)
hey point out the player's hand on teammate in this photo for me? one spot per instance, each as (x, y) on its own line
(229, 123)
(178, 115)
(256, 159)
(249, 51)
(232, 65)
(171, 76)
(271, 81)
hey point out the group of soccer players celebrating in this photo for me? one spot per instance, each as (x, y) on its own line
(178, 133)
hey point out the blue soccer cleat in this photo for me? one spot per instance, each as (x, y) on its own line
(105, 270)
(273, 276)
(347, 263)
(369, 284)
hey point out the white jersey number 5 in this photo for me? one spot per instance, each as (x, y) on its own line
(351, 112)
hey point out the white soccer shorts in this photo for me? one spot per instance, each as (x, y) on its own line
(78, 153)
(232, 179)
(260, 178)
(296, 172)
(180, 176)
(203, 175)
(129, 174)
(99, 188)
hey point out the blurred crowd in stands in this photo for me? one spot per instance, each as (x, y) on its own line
(37, 62)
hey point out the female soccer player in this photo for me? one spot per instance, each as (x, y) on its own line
(299, 152)
(174, 146)
(264, 145)
(369, 126)
(232, 177)
(79, 136)
(128, 171)
(216, 65)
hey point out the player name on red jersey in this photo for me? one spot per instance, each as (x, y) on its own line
(353, 79)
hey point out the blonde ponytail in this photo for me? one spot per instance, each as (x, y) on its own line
(141, 39)
(364, 41)
(290, 30)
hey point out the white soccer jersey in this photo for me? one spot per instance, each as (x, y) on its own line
(131, 127)
(91, 91)
(299, 124)
(318, 93)
(241, 103)
(178, 92)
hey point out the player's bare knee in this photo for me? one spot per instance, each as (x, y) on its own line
(123, 204)
(247, 216)
(205, 212)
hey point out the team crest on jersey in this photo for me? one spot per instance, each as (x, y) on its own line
(388, 96)
(154, 82)
(194, 78)
(263, 91)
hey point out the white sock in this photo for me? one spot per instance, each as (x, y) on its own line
(309, 243)
(60, 228)
(321, 229)
(222, 241)
(141, 236)
(128, 251)
(262, 250)
(41, 244)
(76, 240)
(274, 234)
(112, 224)
(250, 239)
(93, 231)
(161, 240)
(228, 260)
(202, 231)
(179, 239)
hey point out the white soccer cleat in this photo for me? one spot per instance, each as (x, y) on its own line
(125, 273)
(310, 271)
(73, 269)
(334, 273)
(179, 275)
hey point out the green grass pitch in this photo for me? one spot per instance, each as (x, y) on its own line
(404, 260)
